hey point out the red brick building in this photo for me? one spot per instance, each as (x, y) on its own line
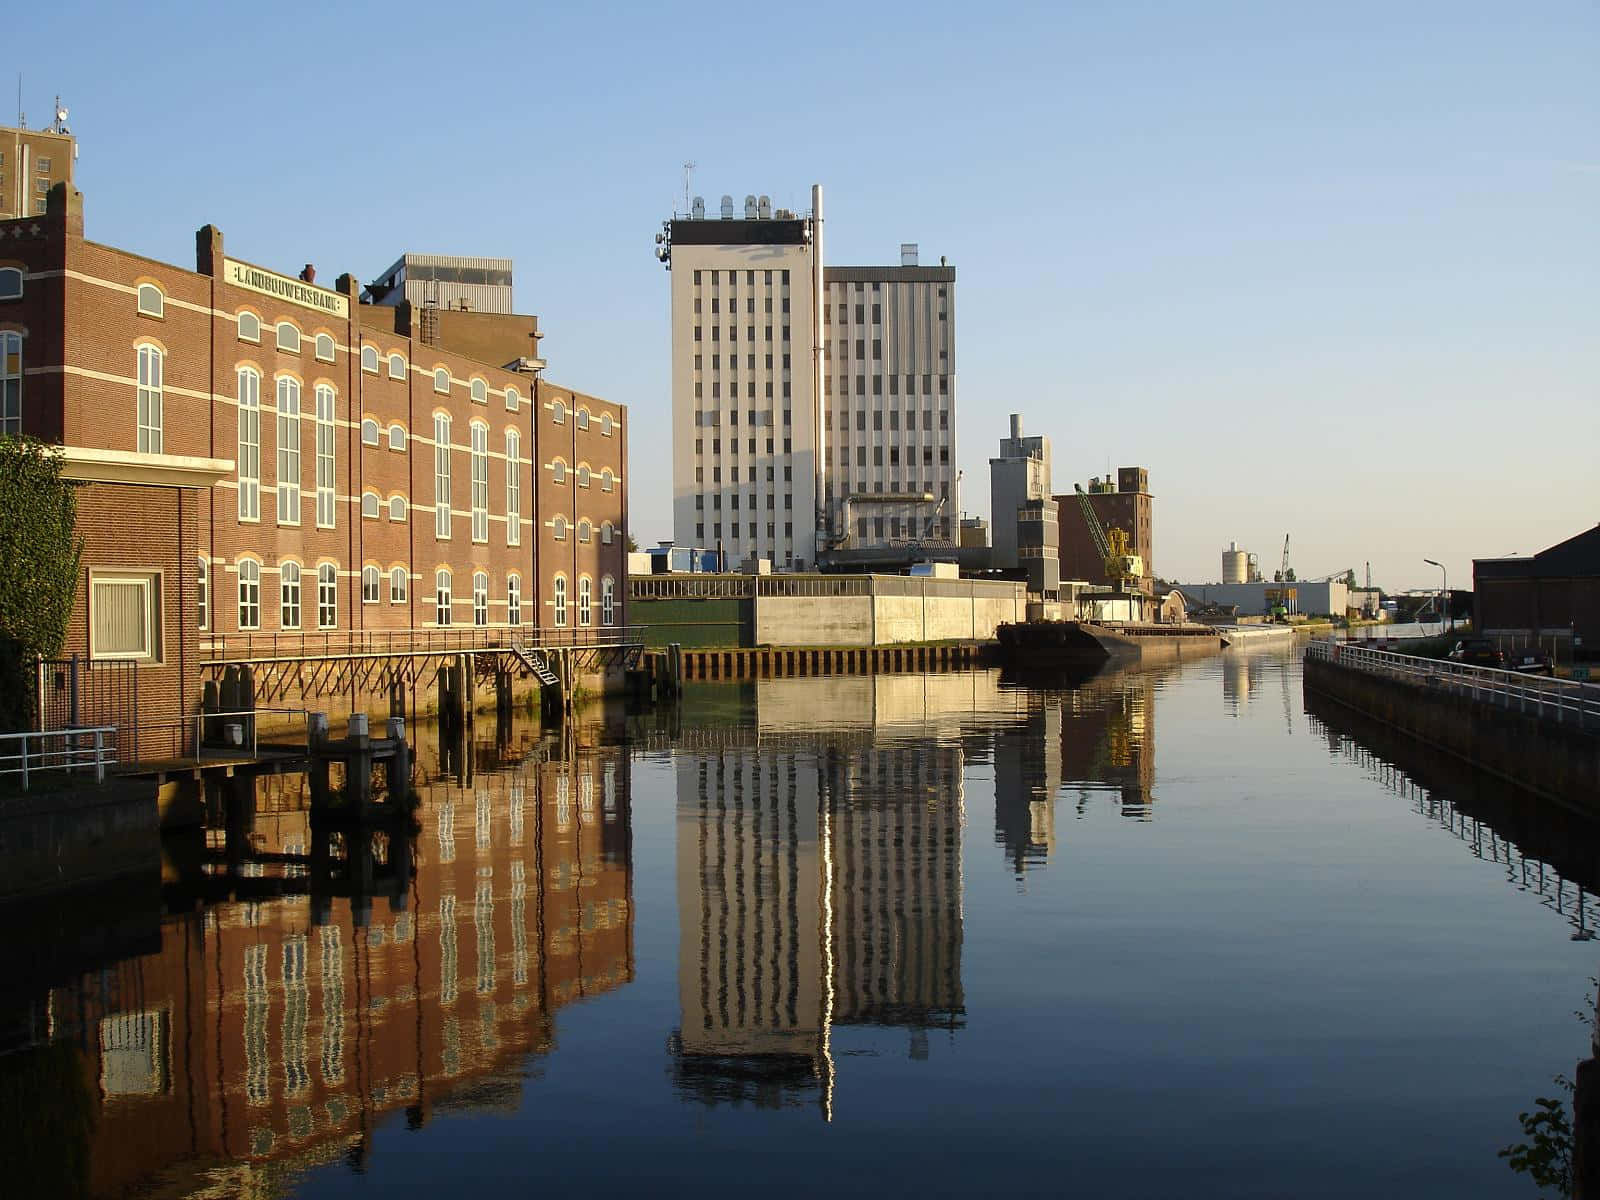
(1127, 508)
(275, 464)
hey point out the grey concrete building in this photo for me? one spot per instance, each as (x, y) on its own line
(1019, 475)
(445, 281)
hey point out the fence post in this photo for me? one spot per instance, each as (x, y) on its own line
(38, 692)
(99, 758)
(24, 762)
(72, 693)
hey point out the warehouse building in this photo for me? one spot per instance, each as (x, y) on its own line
(1554, 596)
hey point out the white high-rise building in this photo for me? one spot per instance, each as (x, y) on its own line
(777, 399)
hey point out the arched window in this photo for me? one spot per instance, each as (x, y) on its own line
(441, 596)
(441, 381)
(606, 424)
(606, 532)
(249, 327)
(202, 592)
(480, 598)
(441, 476)
(513, 488)
(327, 596)
(583, 476)
(560, 602)
(583, 418)
(151, 361)
(10, 283)
(249, 444)
(558, 412)
(607, 480)
(324, 347)
(585, 530)
(249, 594)
(397, 508)
(10, 383)
(288, 337)
(289, 595)
(397, 366)
(514, 599)
(397, 585)
(480, 392)
(397, 437)
(558, 471)
(370, 583)
(369, 359)
(585, 602)
(369, 432)
(151, 302)
(369, 506)
(513, 399)
(559, 528)
(608, 601)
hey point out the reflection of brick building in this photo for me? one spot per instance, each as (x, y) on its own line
(257, 1038)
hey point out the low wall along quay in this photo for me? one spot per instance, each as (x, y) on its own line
(1543, 735)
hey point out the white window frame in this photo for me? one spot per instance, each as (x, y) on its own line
(397, 585)
(10, 283)
(288, 431)
(607, 425)
(290, 595)
(327, 596)
(441, 380)
(248, 587)
(202, 592)
(397, 437)
(558, 412)
(290, 344)
(326, 403)
(513, 487)
(371, 504)
(323, 347)
(394, 371)
(607, 532)
(441, 477)
(443, 605)
(152, 365)
(11, 375)
(585, 531)
(480, 598)
(608, 481)
(369, 359)
(149, 586)
(583, 418)
(148, 307)
(558, 528)
(608, 601)
(249, 443)
(558, 602)
(480, 481)
(371, 584)
(401, 501)
(558, 471)
(369, 432)
(513, 599)
(253, 338)
(583, 473)
(479, 392)
(585, 601)
(513, 399)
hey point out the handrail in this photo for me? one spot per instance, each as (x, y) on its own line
(1563, 701)
(289, 645)
(70, 755)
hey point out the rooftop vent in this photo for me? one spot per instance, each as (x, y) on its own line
(727, 208)
(908, 254)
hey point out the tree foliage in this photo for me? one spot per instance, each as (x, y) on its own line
(39, 558)
(1546, 1158)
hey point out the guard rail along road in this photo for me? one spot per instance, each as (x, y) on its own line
(1541, 734)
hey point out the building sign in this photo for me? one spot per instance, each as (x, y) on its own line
(295, 291)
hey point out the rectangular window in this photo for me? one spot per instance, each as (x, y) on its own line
(325, 506)
(513, 488)
(441, 477)
(327, 596)
(150, 364)
(441, 597)
(514, 601)
(249, 445)
(288, 452)
(480, 483)
(124, 617)
(10, 383)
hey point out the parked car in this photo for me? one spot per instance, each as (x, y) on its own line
(1530, 662)
(1478, 652)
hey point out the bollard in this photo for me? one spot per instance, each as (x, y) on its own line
(317, 728)
(357, 727)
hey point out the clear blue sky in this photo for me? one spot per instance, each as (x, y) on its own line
(1328, 270)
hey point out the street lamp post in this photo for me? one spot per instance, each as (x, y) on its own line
(1444, 593)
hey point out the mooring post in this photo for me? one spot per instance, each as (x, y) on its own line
(358, 764)
(398, 766)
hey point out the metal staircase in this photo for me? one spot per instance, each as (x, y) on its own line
(536, 664)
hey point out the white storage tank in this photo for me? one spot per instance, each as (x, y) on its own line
(1235, 564)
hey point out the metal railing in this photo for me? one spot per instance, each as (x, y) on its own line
(1560, 701)
(88, 749)
(449, 639)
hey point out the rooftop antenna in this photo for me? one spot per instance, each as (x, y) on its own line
(60, 124)
(688, 171)
(22, 119)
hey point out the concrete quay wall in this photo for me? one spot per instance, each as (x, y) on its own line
(56, 837)
(1556, 763)
(882, 610)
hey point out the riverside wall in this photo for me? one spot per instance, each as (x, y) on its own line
(1546, 759)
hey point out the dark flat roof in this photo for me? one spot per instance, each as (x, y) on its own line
(1579, 555)
(716, 232)
(888, 274)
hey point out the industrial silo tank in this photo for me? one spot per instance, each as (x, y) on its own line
(1235, 565)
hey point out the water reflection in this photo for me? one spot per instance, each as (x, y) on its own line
(278, 1024)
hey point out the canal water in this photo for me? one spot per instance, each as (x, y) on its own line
(1148, 933)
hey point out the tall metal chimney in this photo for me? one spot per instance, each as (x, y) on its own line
(1016, 426)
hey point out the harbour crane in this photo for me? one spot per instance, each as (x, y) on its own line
(1112, 548)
